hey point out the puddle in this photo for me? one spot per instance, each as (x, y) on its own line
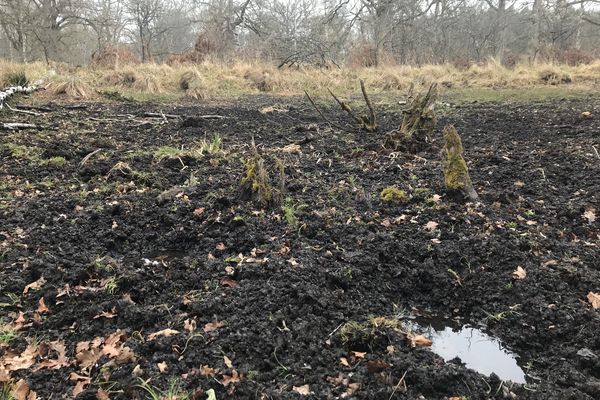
(479, 351)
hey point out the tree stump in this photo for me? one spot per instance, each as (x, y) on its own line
(456, 173)
(418, 124)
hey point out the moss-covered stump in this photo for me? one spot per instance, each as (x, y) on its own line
(418, 124)
(256, 182)
(456, 173)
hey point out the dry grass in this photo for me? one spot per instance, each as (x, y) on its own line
(73, 86)
(216, 80)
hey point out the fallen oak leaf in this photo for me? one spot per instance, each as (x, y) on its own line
(189, 325)
(213, 326)
(101, 394)
(81, 382)
(21, 391)
(162, 367)
(418, 340)
(519, 273)
(431, 226)
(376, 366)
(4, 375)
(594, 299)
(229, 379)
(352, 388)
(34, 285)
(205, 370)
(42, 306)
(590, 215)
(165, 332)
(229, 282)
(304, 390)
(107, 314)
(87, 358)
(22, 361)
(61, 361)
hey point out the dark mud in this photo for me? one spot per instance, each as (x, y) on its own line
(280, 289)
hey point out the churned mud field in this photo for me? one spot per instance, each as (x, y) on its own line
(132, 267)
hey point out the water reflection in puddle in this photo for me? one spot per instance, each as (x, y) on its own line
(478, 350)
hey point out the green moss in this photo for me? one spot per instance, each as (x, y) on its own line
(393, 194)
(168, 152)
(256, 183)
(456, 174)
(33, 155)
(55, 161)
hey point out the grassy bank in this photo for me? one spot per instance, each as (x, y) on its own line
(160, 82)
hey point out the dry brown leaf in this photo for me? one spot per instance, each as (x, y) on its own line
(352, 388)
(519, 184)
(42, 306)
(391, 349)
(418, 340)
(101, 394)
(229, 282)
(304, 390)
(4, 376)
(189, 325)
(344, 361)
(213, 326)
(457, 398)
(227, 362)
(220, 246)
(35, 285)
(205, 370)
(431, 226)
(359, 354)
(198, 211)
(61, 361)
(590, 215)
(107, 314)
(519, 273)
(162, 367)
(292, 149)
(87, 358)
(337, 380)
(594, 299)
(165, 332)
(23, 361)
(386, 223)
(81, 382)
(376, 366)
(127, 298)
(21, 391)
(227, 379)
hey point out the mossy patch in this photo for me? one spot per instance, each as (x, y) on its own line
(393, 195)
(456, 173)
(256, 181)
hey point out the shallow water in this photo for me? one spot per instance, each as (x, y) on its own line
(479, 351)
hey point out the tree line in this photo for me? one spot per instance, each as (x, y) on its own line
(303, 32)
